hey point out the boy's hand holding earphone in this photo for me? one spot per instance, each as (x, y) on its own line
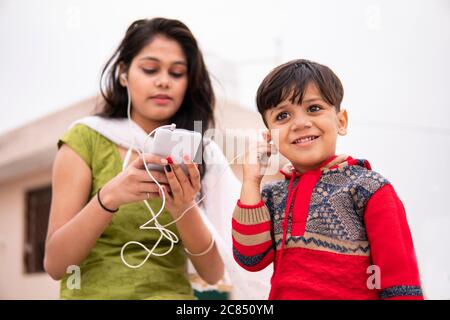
(184, 188)
(133, 184)
(256, 160)
(255, 163)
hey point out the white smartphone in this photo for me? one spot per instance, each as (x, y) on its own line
(176, 143)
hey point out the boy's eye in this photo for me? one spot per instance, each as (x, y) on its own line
(314, 108)
(281, 116)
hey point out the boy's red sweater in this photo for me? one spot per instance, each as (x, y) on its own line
(338, 232)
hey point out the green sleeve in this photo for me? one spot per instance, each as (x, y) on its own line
(80, 138)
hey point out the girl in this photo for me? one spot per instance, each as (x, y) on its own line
(97, 198)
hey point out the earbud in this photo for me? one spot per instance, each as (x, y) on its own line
(342, 131)
(264, 158)
(273, 149)
(123, 78)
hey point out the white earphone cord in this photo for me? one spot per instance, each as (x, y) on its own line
(164, 232)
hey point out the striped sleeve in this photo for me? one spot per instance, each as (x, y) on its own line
(252, 236)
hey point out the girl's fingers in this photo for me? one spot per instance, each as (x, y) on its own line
(194, 174)
(168, 197)
(159, 176)
(151, 187)
(173, 181)
(150, 195)
(147, 158)
(182, 178)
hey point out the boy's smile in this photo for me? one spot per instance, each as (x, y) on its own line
(306, 134)
(305, 140)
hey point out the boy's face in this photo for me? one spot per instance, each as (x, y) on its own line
(306, 133)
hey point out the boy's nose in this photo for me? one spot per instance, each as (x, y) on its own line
(301, 123)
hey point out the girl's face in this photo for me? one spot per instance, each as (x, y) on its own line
(306, 134)
(157, 80)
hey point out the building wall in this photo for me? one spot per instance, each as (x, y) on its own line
(14, 282)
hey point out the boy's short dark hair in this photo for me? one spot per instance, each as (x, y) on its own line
(290, 80)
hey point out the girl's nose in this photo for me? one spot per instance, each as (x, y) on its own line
(162, 81)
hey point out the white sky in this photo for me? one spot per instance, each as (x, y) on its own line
(392, 57)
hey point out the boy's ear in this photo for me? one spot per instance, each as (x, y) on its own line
(342, 122)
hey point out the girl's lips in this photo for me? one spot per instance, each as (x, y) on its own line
(161, 100)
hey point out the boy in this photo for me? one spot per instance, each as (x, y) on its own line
(334, 228)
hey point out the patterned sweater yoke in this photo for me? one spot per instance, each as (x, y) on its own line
(335, 217)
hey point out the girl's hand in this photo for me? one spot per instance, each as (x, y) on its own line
(133, 184)
(184, 188)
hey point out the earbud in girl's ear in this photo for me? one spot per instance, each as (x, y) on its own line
(123, 79)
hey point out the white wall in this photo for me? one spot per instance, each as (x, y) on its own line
(392, 57)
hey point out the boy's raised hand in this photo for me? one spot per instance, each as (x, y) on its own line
(253, 171)
(256, 160)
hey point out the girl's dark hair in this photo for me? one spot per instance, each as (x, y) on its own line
(199, 100)
(290, 80)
